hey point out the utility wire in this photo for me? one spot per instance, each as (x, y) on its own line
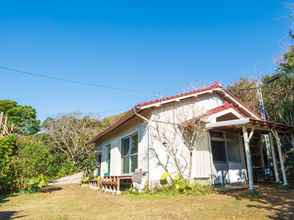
(40, 75)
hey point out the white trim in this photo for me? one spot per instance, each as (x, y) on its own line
(212, 118)
(237, 102)
(158, 104)
(129, 136)
(196, 94)
(228, 123)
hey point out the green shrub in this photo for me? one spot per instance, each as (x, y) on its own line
(34, 184)
(199, 189)
(164, 178)
(8, 150)
(85, 180)
(66, 168)
(179, 185)
(33, 158)
(24, 163)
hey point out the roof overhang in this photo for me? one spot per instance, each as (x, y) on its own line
(261, 125)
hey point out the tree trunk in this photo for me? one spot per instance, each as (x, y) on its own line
(190, 165)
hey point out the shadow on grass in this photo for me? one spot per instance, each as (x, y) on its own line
(279, 201)
(7, 215)
(50, 189)
(3, 199)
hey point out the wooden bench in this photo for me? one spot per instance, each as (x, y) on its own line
(114, 183)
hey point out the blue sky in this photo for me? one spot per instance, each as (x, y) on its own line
(154, 47)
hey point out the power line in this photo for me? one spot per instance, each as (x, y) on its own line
(41, 75)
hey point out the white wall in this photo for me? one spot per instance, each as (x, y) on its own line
(115, 167)
(176, 113)
(202, 164)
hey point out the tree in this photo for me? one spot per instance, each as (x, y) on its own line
(70, 134)
(244, 89)
(24, 118)
(279, 93)
(8, 150)
(193, 132)
(181, 133)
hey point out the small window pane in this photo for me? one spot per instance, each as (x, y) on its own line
(99, 159)
(108, 149)
(216, 134)
(134, 148)
(125, 146)
(233, 147)
(126, 165)
(134, 163)
(218, 151)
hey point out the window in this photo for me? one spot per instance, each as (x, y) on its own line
(225, 146)
(129, 153)
(108, 157)
(233, 147)
(125, 154)
(99, 160)
(218, 150)
(134, 153)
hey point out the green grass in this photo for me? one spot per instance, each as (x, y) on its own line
(74, 202)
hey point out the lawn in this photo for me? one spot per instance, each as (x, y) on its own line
(74, 202)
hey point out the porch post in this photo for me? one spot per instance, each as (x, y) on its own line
(292, 140)
(277, 178)
(275, 133)
(248, 157)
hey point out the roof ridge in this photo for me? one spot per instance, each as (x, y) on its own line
(214, 85)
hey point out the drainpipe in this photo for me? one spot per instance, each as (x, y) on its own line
(148, 161)
(148, 143)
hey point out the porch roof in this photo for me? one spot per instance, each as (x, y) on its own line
(261, 125)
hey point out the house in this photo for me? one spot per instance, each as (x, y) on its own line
(235, 145)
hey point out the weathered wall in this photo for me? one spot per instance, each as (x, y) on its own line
(152, 146)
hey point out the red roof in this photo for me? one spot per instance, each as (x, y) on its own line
(141, 106)
(168, 98)
(220, 108)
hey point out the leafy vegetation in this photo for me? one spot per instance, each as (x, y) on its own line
(28, 160)
(175, 185)
(244, 90)
(69, 135)
(23, 117)
(278, 94)
(24, 164)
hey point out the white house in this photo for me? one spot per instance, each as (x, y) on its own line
(231, 150)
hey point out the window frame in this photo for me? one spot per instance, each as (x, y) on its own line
(98, 163)
(237, 150)
(129, 155)
(225, 140)
(108, 158)
(225, 151)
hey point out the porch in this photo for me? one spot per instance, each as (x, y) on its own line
(113, 184)
(256, 162)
